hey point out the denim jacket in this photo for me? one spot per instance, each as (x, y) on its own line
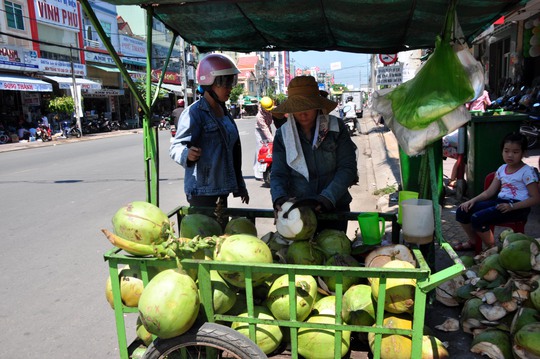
(217, 172)
(332, 167)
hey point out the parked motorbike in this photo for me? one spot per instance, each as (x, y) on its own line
(164, 123)
(531, 128)
(264, 160)
(90, 126)
(70, 129)
(104, 125)
(43, 132)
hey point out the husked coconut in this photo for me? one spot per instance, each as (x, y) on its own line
(382, 255)
(494, 343)
(299, 225)
(446, 292)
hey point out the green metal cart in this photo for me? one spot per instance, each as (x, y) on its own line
(422, 274)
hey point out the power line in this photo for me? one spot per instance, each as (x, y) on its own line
(72, 47)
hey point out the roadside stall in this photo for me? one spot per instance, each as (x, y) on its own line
(384, 27)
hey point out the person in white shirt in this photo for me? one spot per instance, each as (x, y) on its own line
(516, 187)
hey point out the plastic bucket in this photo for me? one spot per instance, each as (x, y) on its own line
(372, 227)
(418, 223)
(403, 196)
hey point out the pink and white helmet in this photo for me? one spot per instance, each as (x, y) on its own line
(214, 65)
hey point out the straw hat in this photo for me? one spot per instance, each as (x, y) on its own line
(303, 95)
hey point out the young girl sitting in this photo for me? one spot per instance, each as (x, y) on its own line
(517, 186)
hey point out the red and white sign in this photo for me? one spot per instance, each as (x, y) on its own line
(388, 59)
(60, 13)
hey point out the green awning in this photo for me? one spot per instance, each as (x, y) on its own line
(362, 26)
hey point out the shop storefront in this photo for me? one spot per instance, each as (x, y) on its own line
(20, 98)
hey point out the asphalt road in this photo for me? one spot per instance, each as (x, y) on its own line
(55, 200)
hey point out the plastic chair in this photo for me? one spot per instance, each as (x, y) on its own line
(518, 226)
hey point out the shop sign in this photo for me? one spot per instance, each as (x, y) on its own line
(130, 46)
(61, 67)
(30, 99)
(18, 58)
(98, 57)
(18, 86)
(390, 75)
(59, 13)
(169, 78)
(103, 93)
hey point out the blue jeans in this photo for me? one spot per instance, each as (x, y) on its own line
(484, 214)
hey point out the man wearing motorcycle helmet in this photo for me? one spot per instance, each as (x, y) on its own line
(351, 112)
(180, 105)
(207, 142)
(263, 131)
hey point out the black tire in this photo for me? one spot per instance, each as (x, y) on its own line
(531, 139)
(208, 335)
(75, 132)
(266, 177)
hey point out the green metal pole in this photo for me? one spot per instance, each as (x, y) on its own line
(150, 137)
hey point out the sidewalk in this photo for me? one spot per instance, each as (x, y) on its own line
(7, 147)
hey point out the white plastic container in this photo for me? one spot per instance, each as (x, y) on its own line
(417, 222)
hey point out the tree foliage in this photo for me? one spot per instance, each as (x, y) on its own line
(64, 104)
(236, 92)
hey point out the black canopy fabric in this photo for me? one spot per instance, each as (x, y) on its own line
(362, 26)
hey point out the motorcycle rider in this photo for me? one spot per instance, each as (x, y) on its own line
(207, 141)
(175, 116)
(263, 131)
(350, 115)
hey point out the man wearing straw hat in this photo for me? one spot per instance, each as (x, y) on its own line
(314, 156)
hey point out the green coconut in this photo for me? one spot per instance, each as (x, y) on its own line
(468, 261)
(169, 304)
(131, 285)
(399, 291)
(394, 346)
(278, 297)
(517, 255)
(268, 337)
(489, 266)
(514, 237)
(142, 333)
(527, 340)
(471, 316)
(357, 305)
(340, 260)
(319, 343)
(325, 306)
(493, 343)
(241, 225)
(224, 297)
(433, 348)
(534, 294)
(300, 224)
(141, 222)
(523, 317)
(332, 242)
(199, 225)
(304, 252)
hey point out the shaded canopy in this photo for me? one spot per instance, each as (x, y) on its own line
(362, 26)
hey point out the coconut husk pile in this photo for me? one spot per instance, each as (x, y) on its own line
(500, 296)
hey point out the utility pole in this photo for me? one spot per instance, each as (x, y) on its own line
(75, 91)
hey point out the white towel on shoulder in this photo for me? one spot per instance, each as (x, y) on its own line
(295, 155)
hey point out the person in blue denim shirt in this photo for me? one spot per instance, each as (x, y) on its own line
(207, 142)
(314, 156)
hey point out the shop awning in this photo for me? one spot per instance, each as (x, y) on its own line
(177, 89)
(66, 82)
(23, 83)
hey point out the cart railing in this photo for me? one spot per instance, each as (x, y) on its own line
(422, 274)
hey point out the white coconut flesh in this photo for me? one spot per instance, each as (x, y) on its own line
(299, 222)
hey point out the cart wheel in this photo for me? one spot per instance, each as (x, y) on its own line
(209, 340)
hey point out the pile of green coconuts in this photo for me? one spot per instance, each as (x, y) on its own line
(170, 303)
